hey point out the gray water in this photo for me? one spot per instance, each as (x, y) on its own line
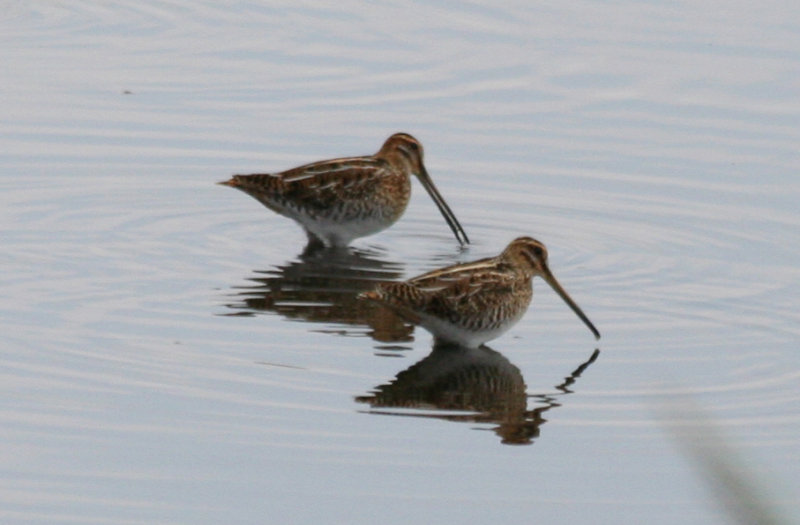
(170, 356)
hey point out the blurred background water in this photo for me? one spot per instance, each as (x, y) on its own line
(170, 356)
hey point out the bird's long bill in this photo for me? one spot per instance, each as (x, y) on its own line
(447, 213)
(551, 280)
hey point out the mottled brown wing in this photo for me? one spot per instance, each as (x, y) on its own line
(327, 184)
(449, 276)
(466, 288)
(326, 188)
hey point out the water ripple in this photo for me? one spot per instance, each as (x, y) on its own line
(150, 314)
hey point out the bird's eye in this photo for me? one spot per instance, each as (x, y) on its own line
(537, 252)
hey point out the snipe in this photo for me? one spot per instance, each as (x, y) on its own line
(470, 304)
(338, 200)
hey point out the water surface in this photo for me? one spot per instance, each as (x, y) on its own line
(170, 355)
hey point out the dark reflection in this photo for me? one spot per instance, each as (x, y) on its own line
(480, 381)
(321, 285)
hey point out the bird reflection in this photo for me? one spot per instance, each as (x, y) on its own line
(321, 285)
(479, 381)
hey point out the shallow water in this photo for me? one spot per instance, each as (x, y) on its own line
(171, 356)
